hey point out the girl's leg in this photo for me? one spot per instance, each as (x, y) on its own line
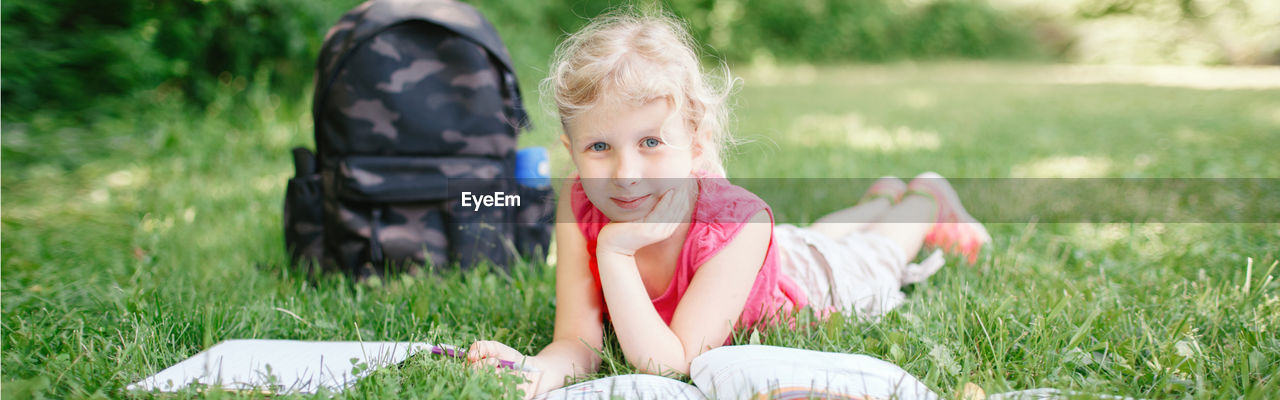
(852, 219)
(907, 223)
(876, 202)
(930, 213)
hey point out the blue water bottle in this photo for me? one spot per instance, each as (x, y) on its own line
(533, 168)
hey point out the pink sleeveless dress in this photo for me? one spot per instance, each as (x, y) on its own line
(721, 211)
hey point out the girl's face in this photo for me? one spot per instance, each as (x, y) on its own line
(623, 152)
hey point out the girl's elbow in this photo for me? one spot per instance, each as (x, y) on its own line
(593, 365)
(655, 367)
(589, 362)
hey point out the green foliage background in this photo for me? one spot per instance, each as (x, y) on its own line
(69, 54)
(66, 54)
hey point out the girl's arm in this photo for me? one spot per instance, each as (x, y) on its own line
(706, 314)
(579, 331)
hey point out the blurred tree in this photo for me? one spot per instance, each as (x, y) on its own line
(67, 54)
(64, 54)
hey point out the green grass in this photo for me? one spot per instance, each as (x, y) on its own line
(138, 237)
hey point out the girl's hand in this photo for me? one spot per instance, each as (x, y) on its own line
(627, 237)
(488, 355)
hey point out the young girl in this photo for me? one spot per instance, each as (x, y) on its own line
(672, 254)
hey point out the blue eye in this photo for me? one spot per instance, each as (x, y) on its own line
(651, 142)
(599, 146)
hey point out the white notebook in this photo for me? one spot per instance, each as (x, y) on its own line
(280, 366)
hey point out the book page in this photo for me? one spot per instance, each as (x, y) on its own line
(280, 366)
(736, 372)
(629, 387)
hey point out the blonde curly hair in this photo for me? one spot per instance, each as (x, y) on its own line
(641, 56)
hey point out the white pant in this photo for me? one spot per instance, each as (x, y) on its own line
(860, 275)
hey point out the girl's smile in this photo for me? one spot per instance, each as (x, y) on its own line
(631, 203)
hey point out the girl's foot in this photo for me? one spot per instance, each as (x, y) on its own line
(888, 187)
(955, 231)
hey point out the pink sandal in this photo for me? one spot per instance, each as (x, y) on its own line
(955, 231)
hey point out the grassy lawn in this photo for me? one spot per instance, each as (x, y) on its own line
(138, 238)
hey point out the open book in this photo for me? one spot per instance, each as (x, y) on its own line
(280, 366)
(730, 372)
(740, 372)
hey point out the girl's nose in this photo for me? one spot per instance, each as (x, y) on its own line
(627, 171)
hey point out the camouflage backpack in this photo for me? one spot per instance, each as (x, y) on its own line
(415, 102)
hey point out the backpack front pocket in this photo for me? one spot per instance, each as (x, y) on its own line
(398, 212)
